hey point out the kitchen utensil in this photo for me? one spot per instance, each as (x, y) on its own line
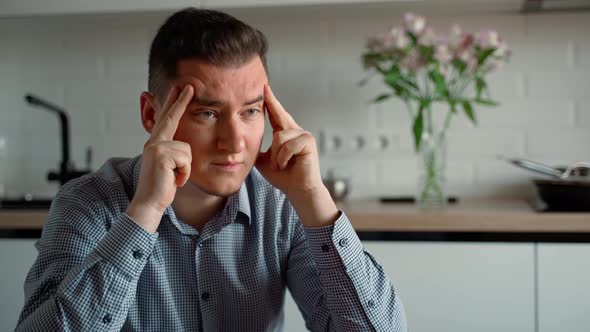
(337, 187)
(563, 191)
(550, 171)
(411, 199)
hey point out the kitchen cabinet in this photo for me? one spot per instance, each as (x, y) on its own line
(16, 258)
(445, 286)
(14, 8)
(457, 287)
(564, 287)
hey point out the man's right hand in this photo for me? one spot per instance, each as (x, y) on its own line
(166, 163)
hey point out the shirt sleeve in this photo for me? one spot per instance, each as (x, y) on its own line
(86, 273)
(339, 286)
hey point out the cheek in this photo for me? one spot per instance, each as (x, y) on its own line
(255, 135)
(197, 137)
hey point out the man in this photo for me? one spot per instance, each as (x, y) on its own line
(190, 235)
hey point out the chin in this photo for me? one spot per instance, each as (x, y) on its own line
(220, 192)
(220, 188)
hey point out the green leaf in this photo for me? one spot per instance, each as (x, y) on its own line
(417, 128)
(485, 102)
(372, 59)
(392, 78)
(453, 105)
(469, 111)
(480, 85)
(418, 125)
(439, 81)
(381, 97)
(459, 65)
(413, 38)
(484, 56)
(410, 83)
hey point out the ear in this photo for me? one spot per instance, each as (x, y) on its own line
(148, 111)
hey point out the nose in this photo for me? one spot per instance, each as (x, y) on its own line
(230, 135)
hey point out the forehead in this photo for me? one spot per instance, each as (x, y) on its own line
(227, 82)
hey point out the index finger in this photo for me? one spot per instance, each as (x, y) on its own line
(167, 123)
(279, 118)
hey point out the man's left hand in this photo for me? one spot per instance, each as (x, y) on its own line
(292, 165)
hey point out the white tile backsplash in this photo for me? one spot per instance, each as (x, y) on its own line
(96, 67)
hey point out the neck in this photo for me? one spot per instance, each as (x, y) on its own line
(195, 207)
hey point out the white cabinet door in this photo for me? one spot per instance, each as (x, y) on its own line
(462, 287)
(564, 287)
(16, 258)
(456, 287)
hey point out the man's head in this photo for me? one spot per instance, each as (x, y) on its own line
(210, 36)
(224, 60)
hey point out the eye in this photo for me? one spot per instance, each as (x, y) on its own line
(205, 115)
(252, 112)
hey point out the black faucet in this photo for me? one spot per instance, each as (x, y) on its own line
(67, 171)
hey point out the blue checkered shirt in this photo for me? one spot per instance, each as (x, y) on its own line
(97, 270)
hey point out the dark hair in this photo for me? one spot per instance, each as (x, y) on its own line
(212, 36)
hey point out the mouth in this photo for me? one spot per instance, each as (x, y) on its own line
(228, 167)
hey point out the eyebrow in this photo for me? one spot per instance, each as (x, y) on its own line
(218, 103)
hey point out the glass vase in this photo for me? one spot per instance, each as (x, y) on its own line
(431, 190)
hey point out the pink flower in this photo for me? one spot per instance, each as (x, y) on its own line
(379, 42)
(374, 43)
(428, 38)
(413, 60)
(502, 50)
(456, 35)
(399, 38)
(414, 23)
(488, 39)
(463, 50)
(442, 53)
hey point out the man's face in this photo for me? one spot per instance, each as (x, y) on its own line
(224, 123)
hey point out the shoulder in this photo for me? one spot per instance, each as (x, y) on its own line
(111, 181)
(95, 199)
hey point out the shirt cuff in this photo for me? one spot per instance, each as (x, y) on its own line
(335, 246)
(127, 246)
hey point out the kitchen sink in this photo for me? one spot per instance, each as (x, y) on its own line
(24, 204)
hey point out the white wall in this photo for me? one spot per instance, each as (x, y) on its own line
(96, 66)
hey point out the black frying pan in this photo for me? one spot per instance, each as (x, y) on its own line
(566, 190)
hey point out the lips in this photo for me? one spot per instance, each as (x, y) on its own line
(229, 163)
(228, 166)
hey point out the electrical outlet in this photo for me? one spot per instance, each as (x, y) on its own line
(353, 141)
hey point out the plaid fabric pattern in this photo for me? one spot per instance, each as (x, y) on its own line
(97, 270)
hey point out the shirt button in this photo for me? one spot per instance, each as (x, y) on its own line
(371, 304)
(343, 242)
(107, 319)
(137, 254)
(325, 248)
(200, 245)
(205, 296)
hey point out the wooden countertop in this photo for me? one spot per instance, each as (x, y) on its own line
(469, 215)
(371, 216)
